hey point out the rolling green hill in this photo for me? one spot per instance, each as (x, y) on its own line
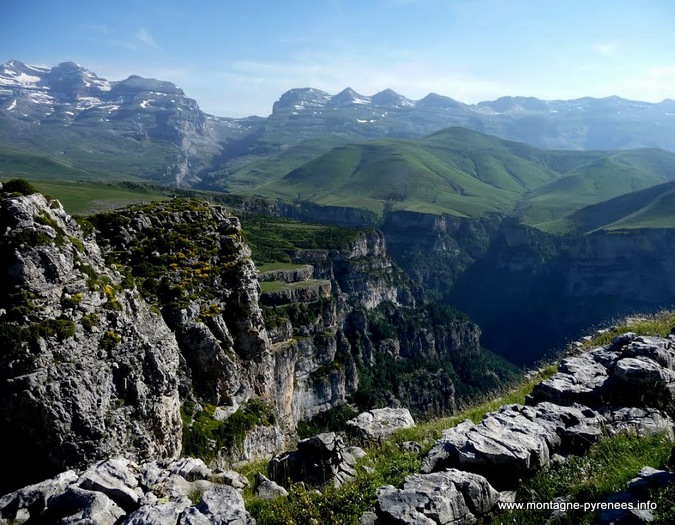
(18, 163)
(456, 171)
(465, 173)
(653, 207)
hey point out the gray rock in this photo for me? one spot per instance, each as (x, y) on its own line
(580, 379)
(114, 479)
(577, 427)
(220, 505)
(318, 460)
(641, 381)
(410, 446)
(34, 497)
(82, 395)
(190, 468)
(267, 489)
(640, 421)
(161, 514)
(378, 424)
(231, 478)
(368, 518)
(77, 505)
(642, 372)
(656, 348)
(356, 452)
(451, 497)
(504, 447)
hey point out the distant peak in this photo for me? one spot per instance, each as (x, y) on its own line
(348, 96)
(434, 100)
(389, 97)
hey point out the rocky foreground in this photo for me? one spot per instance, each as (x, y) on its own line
(628, 386)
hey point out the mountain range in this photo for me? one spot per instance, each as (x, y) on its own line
(149, 129)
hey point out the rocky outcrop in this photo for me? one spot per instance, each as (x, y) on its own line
(88, 369)
(308, 291)
(121, 491)
(449, 497)
(318, 460)
(290, 275)
(514, 442)
(634, 371)
(379, 424)
(621, 381)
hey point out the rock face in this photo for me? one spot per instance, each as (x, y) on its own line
(119, 491)
(88, 370)
(116, 324)
(378, 424)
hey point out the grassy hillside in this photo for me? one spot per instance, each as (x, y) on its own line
(463, 173)
(457, 171)
(249, 174)
(603, 178)
(18, 163)
(85, 198)
(652, 207)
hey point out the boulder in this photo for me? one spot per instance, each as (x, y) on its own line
(318, 460)
(231, 478)
(219, 505)
(77, 505)
(576, 427)
(265, 488)
(32, 500)
(580, 379)
(656, 348)
(162, 514)
(450, 497)
(378, 424)
(190, 468)
(640, 421)
(113, 478)
(504, 447)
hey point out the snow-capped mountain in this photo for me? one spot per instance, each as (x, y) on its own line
(147, 128)
(73, 112)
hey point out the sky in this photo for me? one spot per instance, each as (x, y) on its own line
(236, 57)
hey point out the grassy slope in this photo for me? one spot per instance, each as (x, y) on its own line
(84, 198)
(17, 163)
(648, 208)
(604, 178)
(456, 171)
(100, 153)
(461, 172)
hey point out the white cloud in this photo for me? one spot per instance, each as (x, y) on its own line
(144, 36)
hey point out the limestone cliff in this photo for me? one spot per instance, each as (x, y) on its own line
(87, 370)
(146, 331)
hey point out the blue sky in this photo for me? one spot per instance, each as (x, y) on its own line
(236, 57)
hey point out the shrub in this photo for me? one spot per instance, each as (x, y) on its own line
(20, 186)
(89, 321)
(109, 340)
